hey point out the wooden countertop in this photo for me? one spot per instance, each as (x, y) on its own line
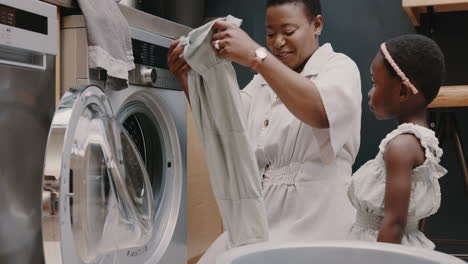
(414, 8)
(451, 96)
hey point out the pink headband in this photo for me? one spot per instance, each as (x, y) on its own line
(397, 69)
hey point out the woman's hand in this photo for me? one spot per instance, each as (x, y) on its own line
(234, 44)
(178, 65)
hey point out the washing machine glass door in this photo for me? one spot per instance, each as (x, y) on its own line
(97, 197)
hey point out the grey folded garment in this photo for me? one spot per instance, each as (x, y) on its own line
(216, 110)
(109, 42)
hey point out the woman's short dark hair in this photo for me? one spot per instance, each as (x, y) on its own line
(421, 59)
(313, 7)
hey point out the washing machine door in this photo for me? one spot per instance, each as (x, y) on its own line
(97, 197)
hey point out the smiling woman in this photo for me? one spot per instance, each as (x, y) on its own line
(292, 38)
(303, 113)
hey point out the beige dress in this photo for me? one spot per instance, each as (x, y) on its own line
(367, 190)
(305, 171)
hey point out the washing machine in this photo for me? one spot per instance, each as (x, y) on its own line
(106, 133)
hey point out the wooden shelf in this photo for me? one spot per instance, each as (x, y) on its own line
(64, 3)
(451, 96)
(414, 8)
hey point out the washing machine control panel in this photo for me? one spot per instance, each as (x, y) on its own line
(153, 77)
(151, 66)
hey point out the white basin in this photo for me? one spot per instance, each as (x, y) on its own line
(334, 252)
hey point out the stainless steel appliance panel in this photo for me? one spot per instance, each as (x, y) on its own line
(26, 109)
(27, 89)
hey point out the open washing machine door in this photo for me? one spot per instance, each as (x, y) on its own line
(153, 119)
(97, 197)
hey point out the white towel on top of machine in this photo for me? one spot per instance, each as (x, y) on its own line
(215, 103)
(109, 42)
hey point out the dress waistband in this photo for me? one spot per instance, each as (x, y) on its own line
(283, 175)
(372, 221)
(305, 172)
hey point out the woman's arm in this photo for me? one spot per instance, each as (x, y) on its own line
(299, 94)
(400, 157)
(178, 66)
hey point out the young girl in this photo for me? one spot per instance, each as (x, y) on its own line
(400, 186)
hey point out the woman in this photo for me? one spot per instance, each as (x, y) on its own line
(303, 114)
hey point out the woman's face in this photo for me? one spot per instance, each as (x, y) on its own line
(291, 36)
(384, 96)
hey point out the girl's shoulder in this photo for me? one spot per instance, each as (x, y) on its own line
(426, 137)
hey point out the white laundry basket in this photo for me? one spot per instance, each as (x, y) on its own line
(334, 252)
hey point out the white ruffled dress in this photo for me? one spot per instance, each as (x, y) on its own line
(367, 190)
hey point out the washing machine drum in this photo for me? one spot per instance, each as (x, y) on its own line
(97, 196)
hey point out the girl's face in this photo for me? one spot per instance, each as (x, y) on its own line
(384, 96)
(291, 36)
